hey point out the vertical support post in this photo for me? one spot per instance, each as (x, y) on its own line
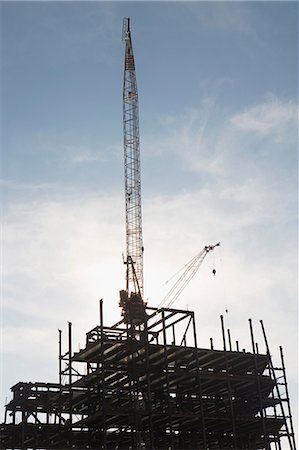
(47, 417)
(101, 311)
(60, 375)
(24, 417)
(173, 334)
(5, 413)
(102, 365)
(70, 381)
(237, 346)
(167, 380)
(198, 376)
(101, 317)
(60, 360)
(266, 440)
(287, 396)
(229, 387)
(251, 336)
(223, 332)
(229, 340)
(276, 385)
(149, 390)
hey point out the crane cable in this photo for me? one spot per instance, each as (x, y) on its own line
(189, 270)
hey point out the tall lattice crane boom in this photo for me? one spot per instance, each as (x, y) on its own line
(132, 298)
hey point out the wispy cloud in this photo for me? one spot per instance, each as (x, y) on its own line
(183, 135)
(235, 145)
(81, 155)
(268, 118)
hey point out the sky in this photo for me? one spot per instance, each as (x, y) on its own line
(218, 98)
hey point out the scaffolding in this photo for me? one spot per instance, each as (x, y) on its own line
(151, 387)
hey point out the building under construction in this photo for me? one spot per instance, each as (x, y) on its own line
(151, 387)
(144, 383)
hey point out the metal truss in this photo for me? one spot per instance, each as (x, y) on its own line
(151, 387)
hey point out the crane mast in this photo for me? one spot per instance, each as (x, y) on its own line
(131, 299)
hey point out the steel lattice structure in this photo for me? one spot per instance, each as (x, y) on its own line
(153, 388)
(134, 244)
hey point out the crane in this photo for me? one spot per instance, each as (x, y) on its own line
(131, 299)
(188, 272)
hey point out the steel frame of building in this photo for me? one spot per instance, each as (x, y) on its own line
(151, 387)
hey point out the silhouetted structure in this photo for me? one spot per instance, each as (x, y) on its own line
(151, 387)
(144, 383)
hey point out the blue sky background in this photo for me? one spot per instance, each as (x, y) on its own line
(218, 86)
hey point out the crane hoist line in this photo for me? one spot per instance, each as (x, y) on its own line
(186, 274)
(131, 299)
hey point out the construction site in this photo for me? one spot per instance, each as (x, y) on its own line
(144, 383)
